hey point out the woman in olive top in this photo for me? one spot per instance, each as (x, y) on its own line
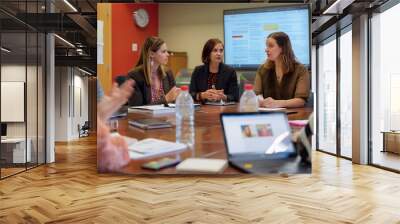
(282, 81)
(214, 81)
(153, 84)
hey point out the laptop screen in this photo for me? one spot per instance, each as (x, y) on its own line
(257, 133)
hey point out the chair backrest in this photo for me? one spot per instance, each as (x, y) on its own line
(86, 125)
(310, 100)
(121, 79)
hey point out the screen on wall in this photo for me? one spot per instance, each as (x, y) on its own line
(245, 32)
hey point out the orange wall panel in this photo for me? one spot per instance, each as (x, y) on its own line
(125, 32)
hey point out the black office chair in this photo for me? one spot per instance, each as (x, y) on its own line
(84, 130)
(121, 79)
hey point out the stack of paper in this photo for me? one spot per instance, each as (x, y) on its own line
(154, 109)
(151, 147)
(196, 105)
(220, 103)
(150, 123)
(272, 109)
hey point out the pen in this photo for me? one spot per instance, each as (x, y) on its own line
(291, 112)
(165, 102)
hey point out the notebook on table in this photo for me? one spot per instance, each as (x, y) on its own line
(202, 166)
(151, 147)
(154, 109)
(271, 109)
(150, 123)
(220, 103)
(172, 105)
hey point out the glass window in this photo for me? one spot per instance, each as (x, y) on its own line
(41, 98)
(346, 93)
(327, 96)
(385, 85)
(314, 89)
(31, 96)
(14, 151)
(22, 90)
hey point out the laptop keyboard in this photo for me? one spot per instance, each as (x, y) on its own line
(261, 157)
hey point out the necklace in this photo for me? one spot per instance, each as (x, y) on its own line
(279, 77)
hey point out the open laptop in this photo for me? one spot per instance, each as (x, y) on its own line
(261, 143)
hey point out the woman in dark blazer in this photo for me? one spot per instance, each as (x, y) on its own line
(153, 84)
(214, 81)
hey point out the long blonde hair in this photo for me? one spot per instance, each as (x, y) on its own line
(150, 44)
(287, 56)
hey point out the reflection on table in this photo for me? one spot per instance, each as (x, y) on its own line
(209, 142)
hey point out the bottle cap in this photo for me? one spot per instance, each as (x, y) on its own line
(248, 87)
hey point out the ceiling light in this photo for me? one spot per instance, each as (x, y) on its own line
(338, 6)
(65, 41)
(5, 50)
(84, 71)
(70, 5)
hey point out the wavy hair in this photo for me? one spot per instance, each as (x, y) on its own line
(150, 44)
(208, 48)
(287, 55)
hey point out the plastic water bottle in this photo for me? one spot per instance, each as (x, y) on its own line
(185, 118)
(248, 100)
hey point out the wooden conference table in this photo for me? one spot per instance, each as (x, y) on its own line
(209, 140)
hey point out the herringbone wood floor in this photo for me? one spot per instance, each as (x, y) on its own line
(71, 191)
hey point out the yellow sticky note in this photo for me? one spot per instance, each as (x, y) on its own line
(248, 165)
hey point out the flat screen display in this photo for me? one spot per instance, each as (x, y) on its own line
(245, 33)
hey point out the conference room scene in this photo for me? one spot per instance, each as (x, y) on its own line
(69, 77)
(226, 93)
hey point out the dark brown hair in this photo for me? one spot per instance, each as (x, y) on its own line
(150, 44)
(287, 56)
(207, 49)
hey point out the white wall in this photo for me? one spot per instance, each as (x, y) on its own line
(15, 72)
(61, 104)
(80, 110)
(186, 27)
(33, 127)
(71, 93)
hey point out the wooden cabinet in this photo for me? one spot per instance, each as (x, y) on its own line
(177, 61)
(391, 141)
